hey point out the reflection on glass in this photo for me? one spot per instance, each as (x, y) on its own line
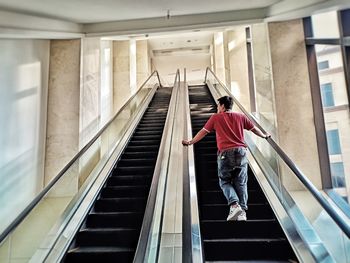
(336, 114)
(325, 25)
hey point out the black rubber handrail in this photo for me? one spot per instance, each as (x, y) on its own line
(37, 199)
(305, 181)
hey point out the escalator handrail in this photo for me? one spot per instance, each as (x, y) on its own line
(43, 192)
(195, 232)
(142, 250)
(305, 181)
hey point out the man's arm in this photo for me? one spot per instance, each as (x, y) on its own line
(199, 136)
(258, 132)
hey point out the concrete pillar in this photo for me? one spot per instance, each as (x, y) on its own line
(142, 62)
(226, 60)
(121, 74)
(219, 57)
(62, 141)
(295, 119)
(238, 60)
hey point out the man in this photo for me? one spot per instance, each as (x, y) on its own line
(231, 159)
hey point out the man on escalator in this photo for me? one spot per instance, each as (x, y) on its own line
(231, 160)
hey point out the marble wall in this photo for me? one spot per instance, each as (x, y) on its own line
(142, 62)
(237, 48)
(219, 56)
(295, 119)
(62, 140)
(121, 74)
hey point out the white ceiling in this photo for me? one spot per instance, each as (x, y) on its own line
(95, 11)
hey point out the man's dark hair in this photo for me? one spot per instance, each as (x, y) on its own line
(226, 101)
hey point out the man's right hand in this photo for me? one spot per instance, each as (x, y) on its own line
(186, 142)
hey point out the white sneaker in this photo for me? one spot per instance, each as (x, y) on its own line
(234, 213)
(242, 216)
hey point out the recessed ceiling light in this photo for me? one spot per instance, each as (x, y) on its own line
(189, 41)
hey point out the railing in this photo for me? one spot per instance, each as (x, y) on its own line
(322, 226)
(149, 241)
(31, 228)
(192, 241)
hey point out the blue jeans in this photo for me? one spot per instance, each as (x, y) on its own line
(233, 175)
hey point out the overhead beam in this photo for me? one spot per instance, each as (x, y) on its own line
(16, 25)
(175, 23)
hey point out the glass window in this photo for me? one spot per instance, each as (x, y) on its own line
(327, 95)
(323, 65)
(333, 142)
(338, 174)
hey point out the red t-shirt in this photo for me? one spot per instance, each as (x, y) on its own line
(229, 128)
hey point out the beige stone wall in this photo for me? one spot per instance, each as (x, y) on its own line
(238, 60)
(295, 119)
(121, 74)
(142, 62)
(62, 140)
(219, 56)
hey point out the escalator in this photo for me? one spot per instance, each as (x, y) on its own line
(111, 230)
(260, 238)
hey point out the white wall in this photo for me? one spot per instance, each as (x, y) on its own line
(195, 67)
(23, 100)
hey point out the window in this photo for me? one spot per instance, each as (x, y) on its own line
(333, 142)
(327, 95)
(338, 175)
(323, 65)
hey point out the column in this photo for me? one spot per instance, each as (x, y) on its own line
(295, 119)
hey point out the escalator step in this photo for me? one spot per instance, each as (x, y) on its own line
(124, 237)
(252, 228)
(125, 191)
(129, 180)
(114, 219)
(120, 204)
(133, 170)
(96, 254)
(247, 249)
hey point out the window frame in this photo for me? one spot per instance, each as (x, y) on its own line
(310, 41)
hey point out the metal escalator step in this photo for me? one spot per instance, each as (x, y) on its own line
(138, 148)
(247, 249)
(129, 180)
(125, 191)
(125, 237)
(120, 204)
(148, 142)
(114, 219)
(141, 154)
(252, 228)
(134, 170)
(96, 254)
(142, 160)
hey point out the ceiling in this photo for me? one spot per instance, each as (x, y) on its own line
(95, 11)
